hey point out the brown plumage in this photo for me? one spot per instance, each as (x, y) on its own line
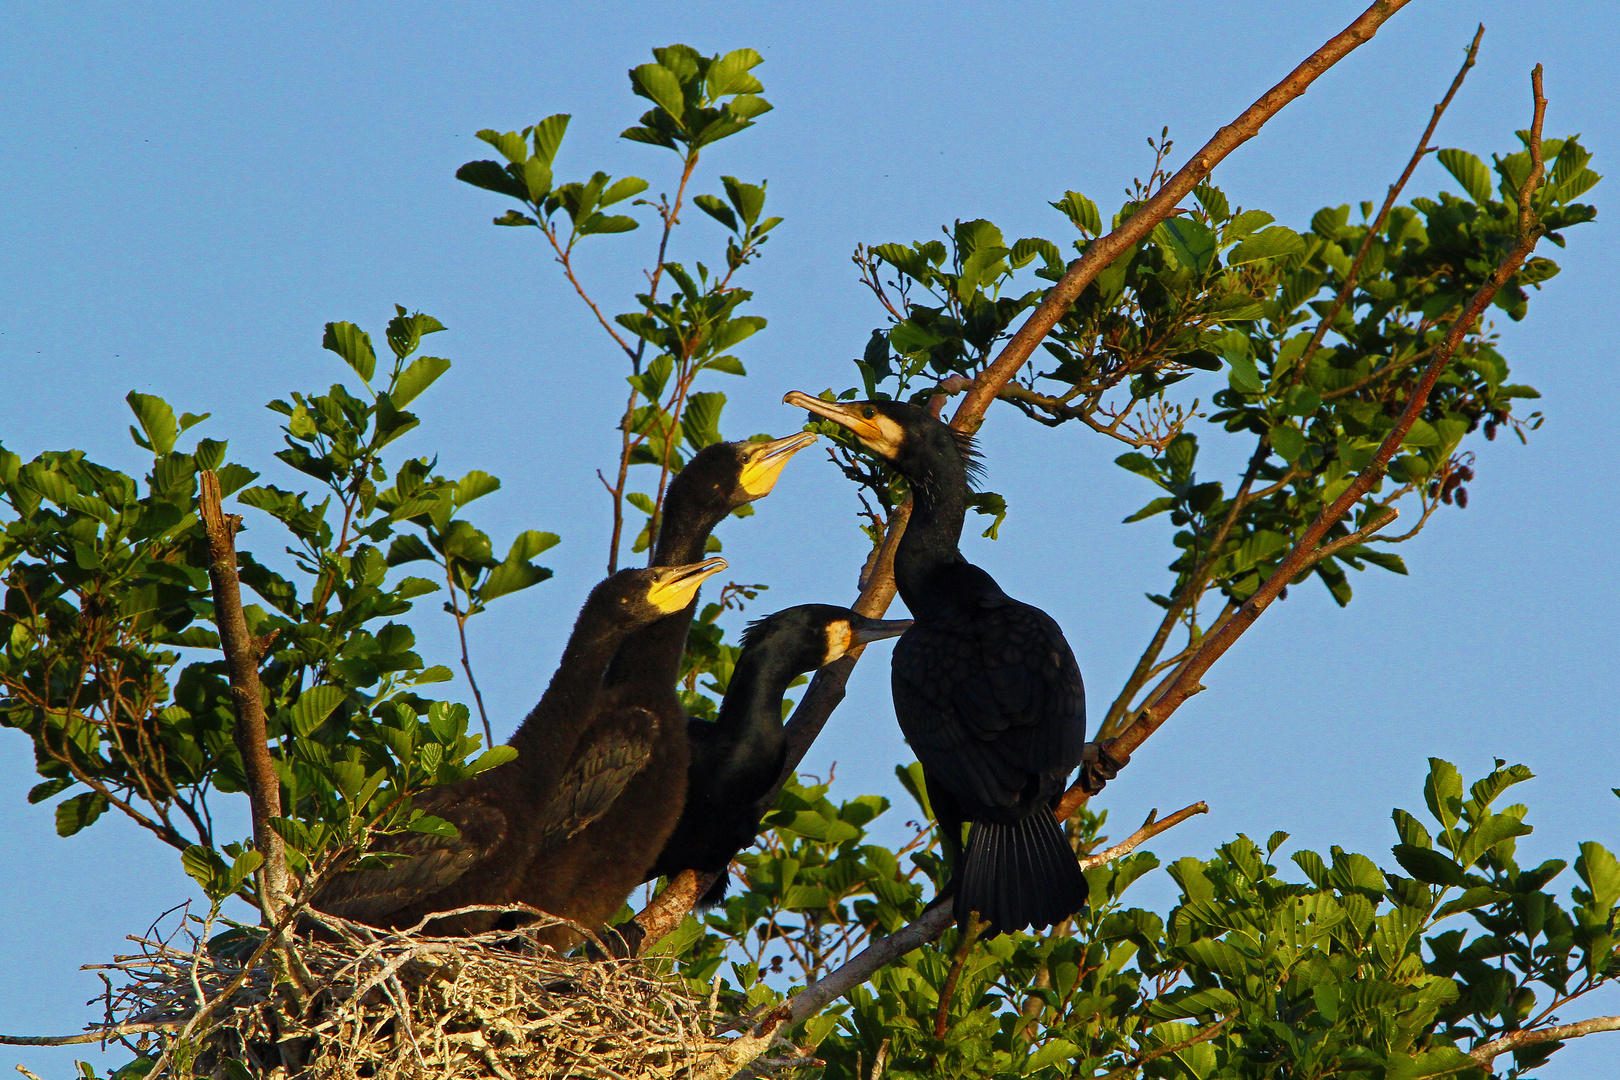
(633, 761)
(517, 813)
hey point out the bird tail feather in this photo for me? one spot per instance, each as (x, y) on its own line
(1019, 875)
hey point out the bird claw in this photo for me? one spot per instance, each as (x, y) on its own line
(1098, 766)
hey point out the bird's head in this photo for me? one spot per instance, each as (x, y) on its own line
(903, 434)
(813, 635)
(732, 475)
(644, 595)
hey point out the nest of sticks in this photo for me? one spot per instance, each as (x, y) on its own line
(350, 1001)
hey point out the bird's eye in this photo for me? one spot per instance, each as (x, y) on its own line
(869, 412)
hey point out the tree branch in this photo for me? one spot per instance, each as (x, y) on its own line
(1490, 1051)
(1103, 251)
(242, 655)
(826, 689)
(1184, 683)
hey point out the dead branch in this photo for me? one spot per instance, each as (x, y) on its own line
(242, 656)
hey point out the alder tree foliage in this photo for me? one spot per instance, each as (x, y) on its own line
(1299, 346)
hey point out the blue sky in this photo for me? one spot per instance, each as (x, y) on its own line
(190, 192)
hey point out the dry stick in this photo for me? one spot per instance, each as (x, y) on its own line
(1326, 323)
(242, 656)
(1183, 684)
(1490, 1051)
(826, 689)
(1100, 253)
(99, 1035)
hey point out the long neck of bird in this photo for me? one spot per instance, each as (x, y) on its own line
(938, 509)
(566, 707)
(751, 713)
(651, 657)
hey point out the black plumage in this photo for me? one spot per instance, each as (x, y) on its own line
(737, 758)
(986, 687)
(512, 814)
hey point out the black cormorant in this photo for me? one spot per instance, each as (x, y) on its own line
(632, 763)
(507, 816)
(738, 757)
(986, 688)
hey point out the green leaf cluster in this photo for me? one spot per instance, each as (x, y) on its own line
(111, 662)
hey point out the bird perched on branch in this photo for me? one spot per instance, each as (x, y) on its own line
(634, 757)
(738, 757)
(986, 688)
(508, 816)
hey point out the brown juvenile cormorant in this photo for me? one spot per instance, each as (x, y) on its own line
(738, 757)
(986, 688)
(508, 815)
(633, 761)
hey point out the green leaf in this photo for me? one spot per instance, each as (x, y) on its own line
(475, 485)
(156, 420)
(494, 756)
(1191, 243)
(1288, 441)
(511, 577)
(661, 85)
(622, 189)
(422, 373)
(1470, 172)
(1273, 243)
(509, 143)
(354, 345)
(1601, 872)
(79, 812)
(548, 135)
(434, 826)
(1443, 792)
(313, 707)
(1427, 865)
(536, 179)
(604, 223)
(1050, 1053)
(491, 177)
(730, 74)
(1081, 211)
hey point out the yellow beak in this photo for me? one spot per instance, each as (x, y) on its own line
(674, 586)
(763, 462)
(840, 413)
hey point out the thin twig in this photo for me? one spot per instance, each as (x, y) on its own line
(1175, 1048)
(1377, 225)
(466, 663)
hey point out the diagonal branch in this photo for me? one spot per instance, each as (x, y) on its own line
(1102, 252)
(826, 689)
(1488, 1052)
(1184, 682)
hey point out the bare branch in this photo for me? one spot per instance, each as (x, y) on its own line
(242, 655)
(1490, 1051)
(1103, 251)
(1349, 286)
(99, 1035)
(1175, 1048)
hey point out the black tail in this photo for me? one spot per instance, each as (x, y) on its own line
(1019, 875)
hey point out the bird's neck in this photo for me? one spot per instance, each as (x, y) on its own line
(751, 713)
(929, 544)
(567, 705)
(651, 657)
